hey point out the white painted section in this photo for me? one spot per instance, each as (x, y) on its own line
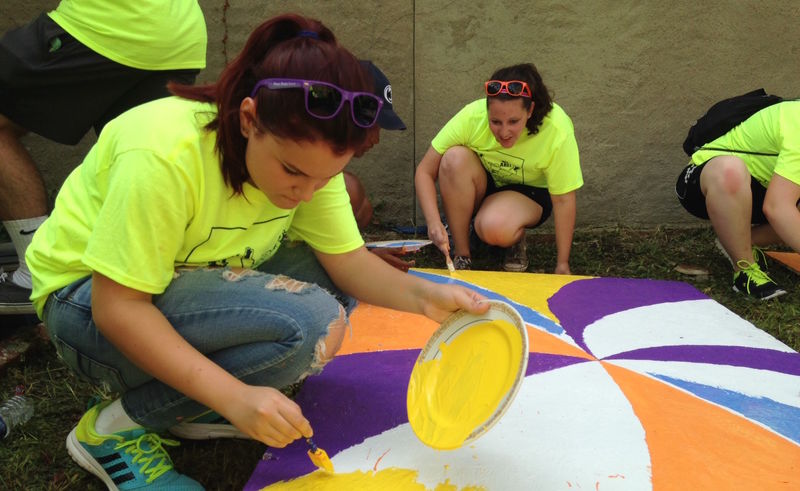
(568, 429)
(691, 322)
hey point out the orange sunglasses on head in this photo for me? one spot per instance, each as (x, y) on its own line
(516, 88)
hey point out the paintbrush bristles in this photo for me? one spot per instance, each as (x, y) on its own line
(450, 267)
(318, 456)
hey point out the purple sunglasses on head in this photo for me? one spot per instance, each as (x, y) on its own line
(324, 100)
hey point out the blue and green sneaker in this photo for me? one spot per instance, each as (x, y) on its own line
(207, 426)
(127, 460)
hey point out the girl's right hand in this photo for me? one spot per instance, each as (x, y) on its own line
(438, 235)
(269, 416)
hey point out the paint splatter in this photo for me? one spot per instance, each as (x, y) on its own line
(375, 468)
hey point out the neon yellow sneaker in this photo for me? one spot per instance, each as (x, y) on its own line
(127, 460)
(752, 281)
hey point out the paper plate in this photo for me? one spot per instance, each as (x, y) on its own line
(444, 385)
(405, 245)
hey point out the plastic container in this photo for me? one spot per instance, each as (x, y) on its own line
(14, 412)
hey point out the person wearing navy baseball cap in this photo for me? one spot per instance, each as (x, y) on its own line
(388, 120)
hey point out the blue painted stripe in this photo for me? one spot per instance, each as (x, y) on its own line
(528, 314)
(781, 418)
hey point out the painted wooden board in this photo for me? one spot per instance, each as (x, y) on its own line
(631, 385)
(789, 259)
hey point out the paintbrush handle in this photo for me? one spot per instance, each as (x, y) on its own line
(311, 445)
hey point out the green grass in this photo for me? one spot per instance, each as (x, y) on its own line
(35, 457)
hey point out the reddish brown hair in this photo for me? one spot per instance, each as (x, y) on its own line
(277, 49)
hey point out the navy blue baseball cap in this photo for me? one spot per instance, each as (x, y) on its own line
(387, 119)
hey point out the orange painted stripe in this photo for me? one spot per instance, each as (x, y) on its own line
(543, 342)
(699, 446)
(380, 329)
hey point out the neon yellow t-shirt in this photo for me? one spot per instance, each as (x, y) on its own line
(144, 34)
(772, 130)
(150, 196)
(549, 159)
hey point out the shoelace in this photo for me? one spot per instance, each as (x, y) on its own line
(754, 273)
(147, 449)
(759, 256)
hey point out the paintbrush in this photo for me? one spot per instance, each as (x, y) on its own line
(318, 456)
(450, 268)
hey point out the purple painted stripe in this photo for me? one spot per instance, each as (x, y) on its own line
(545, 362)
(357, 396)
(739, 356)
(582, 302)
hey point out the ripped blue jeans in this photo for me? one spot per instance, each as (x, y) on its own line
(260, 326)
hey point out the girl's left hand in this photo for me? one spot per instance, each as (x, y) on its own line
(446, 299)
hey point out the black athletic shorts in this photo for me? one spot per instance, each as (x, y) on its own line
(540, 196)
(55, 86)
(691, 197)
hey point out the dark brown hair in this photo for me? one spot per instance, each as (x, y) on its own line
(526, 72)
(286, 46)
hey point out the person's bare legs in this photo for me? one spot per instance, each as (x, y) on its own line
(501, 221)
(23, 198)
(503, 217)
(725, 182)
(359, 202)
(22, 191)
(764, 235)
(462, 184)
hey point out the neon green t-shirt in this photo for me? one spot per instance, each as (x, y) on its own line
(772, 130)
(150, 196)
(548, 159)
(144, 34)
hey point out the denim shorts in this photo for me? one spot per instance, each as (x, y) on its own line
(262, 335)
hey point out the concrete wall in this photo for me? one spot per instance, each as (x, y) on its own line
(633, 75)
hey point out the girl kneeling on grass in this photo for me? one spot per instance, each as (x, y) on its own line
(747, 183)
(161, 275)
(505, 161)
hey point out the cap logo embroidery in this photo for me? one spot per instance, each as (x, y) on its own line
(387, 93)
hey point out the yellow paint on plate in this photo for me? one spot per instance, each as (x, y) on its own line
(451, 396)
(391, 479)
